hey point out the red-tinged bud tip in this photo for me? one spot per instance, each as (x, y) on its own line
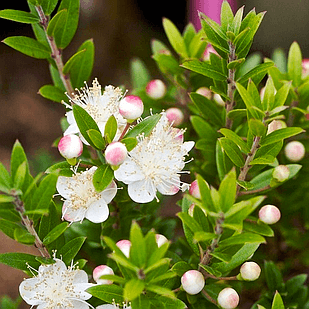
(228, 298)
(269, 214)
(100, 271)
(124, 245)
(192, 282)
(161, 240)
(156, 89)
(115, 153)
(131, 107)
(194, 190)
(70, 146)
(175, 116)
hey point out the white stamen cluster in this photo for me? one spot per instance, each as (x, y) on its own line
(155, 163)
(99, 106)
(56, 286)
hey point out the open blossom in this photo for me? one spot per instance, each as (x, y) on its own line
(81, 198)
(114, 306)
(155, 163)
(99, 106)
(56, 286)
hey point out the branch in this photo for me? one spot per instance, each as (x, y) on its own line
(254, 191)
(56, 53)
(28, 223)
(209, 297)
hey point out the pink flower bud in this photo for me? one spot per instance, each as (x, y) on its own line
(195, 190)
(281, 173)
(191, 210)
(228, 298)
(175, 116)
(161, 240)
(131, 107)
(192, 282)
(204, 91)
(100, 271)
(275, 125)
(70, 146)
(115, 153)
(124, 245)
(294, 151)
(305, 67)
(269, 214)
(218, 99)
(209, 49)
(156, 89)
(250, 271)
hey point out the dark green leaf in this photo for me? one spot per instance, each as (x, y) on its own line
(207, 202)
(19, 16)
(108, 293)
(236, 139)
(102, 177)
(273, 276)
(280, 134)
(73, 61)
(19, 260)
(23, 236)
(232, 151)
(293, 284)
(256, 74)
(181, 267)
(61, 168)
(8, 227)
(28, 46)
(70, 249)
(192, 224)
(55, 233)
(5, 180)
(52, 93)
(96, 138)
(258, 227)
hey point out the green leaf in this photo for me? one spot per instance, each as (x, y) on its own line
(235, 64)
(277, 302)
(279, 59)
(5, 180)
(241, 239)
(96, 138)
(175, 38)
(133, 289)
(204, 68)
(110, 129)
(70, 249)
(160, 290)
(227, 191)
(20, 175)
(28, 46)
(130, 143)
(203, 236)
(266, 159)
(73, 61)
(85, 122)
(56, 26)
(226, 16)
(61, 168)
(19, 260)
(19, 16)
(258, 227)
(236, 139)
(295, 283)
(224, 164)
(207, 202)
(295, 64)
(257, 127)
(207, 107)
(8, 227)
(52, 93)
(273, 276)
(139, 74)
(257, 73)
(235, 26)
(108, 293)
(167, 64)
(191, 223)
(48, 6)
(80, 71)
(146, 126)
(6, 198)
(44, 193)
(70, 24)
(281, 95)
(102, 177)
(138, 246)
(55, 233)
(232, 151)
(280, 134)
(23, 236)
(181, 267)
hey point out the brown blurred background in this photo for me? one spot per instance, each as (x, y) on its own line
(121, 30)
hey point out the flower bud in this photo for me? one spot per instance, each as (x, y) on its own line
(250, 271)
(194, 190)
(269, 214)
(192, 282)
(70, 146)
(131, 107)
(161, 240)
(156, 89)
(115, 153)
(175, 116)
(100, 271)
(281, 173)
(209, 49)
(305, 68)
(218, 100)
(204, 91)
(228, 298)
(294, 151)
(275, 125)
(124, 245)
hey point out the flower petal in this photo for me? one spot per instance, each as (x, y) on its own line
(109, 193)
(97, 212)
(28, 291)
(65, 186)
(169, 187)
(79, 305)
(72, 215)
(188, 145)
(142, 191)
(128, 172)
(80, 290)
(80, 276)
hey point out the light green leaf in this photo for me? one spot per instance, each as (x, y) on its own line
(108, 293)
(110, 129)
(139, 73)
(280, 134)
(133, 289)
(277, 302)
(167, 64)
(232, 151)
(102, 177)
(257, 127)
(19, 16)
(73, 61)
(52, 93)
(56, 26)
(243, 238)
(138, 246)
(227, 191)
(281, 95)
(160, 290)
(96, 138)
(295, 64)
(226, 16)
(5, 180)
(55, 233)
(236, 139)
(20, 175)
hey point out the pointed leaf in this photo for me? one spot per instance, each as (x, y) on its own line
(108, 293)
(19, 16)
(133, 289)
(280, 134)
(227, 191)
(232, 151)
(102, 177)
(55, 233)
(295, 64)
(139, 73)
(52, 93)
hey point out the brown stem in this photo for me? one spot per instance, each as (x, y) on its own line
(244, 171)
(28, 223)
(222, 278)
(209, 297)
(56, 53)
(230, 87)
(254, 191)
(125, 130)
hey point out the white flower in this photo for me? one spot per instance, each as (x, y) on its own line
(99, 106)
(56, 286)
(114, 306)
(81, 198)
(155, 163)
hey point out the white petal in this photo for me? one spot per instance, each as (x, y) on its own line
(97, 212)
(79, 305)
(128, 172)
(80, 276)
(63, 184)
(73, 215)
(70, 117)
(169, 187)
(109, 193)
(72, 129)
(28, 291)
(188, 145)
(41, 306)
(80, 289)
(142, 191)
(107, 306)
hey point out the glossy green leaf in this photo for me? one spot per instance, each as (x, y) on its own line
(138, 246)
(56, 26)
(5, 180)
(19, 260)
(232, 151)
(19, 16)
(192, 224)
(207, 202)
(102, 177)
(227, 191)
(73, 61)
(133, 289)
(139, 73)
(8, 227)
(223, 163)
(167, 64)
(235, 26)
(130, 143)
(281, 95)
(240, 239)
(48, 6)
(23, 236)
(180, 268)
(110, 128)
(52, 93)
(280, 134)
(295, 64)
(81, 69)
(257, 127)
(108, 293)
(258, 227)
(96, 138)
(236, 139)
(55, 233)
(175, 38)
(226, 16)
(70, 249)
(277, 302)
(28, 46)
(20, 176)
